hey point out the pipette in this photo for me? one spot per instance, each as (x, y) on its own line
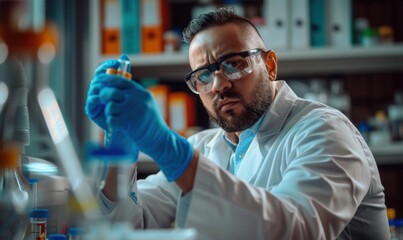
(122, 70)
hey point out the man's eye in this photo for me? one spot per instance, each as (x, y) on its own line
(232, 63)
(204, 76)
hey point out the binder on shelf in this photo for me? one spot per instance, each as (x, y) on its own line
(276, 13)
(131, 27)
(299, 24)
(317, 13)
(155, 20)
(181, 112)
(339, 26)
(160, 93)
(110, 26)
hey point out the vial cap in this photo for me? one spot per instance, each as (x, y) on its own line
(95, 151)
(39, 213)
(73, 231)
(57, 237)
(33, 180)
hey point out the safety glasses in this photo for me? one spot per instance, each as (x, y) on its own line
(233, 66)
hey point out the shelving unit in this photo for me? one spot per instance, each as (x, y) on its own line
(292, 62)
(388, 154)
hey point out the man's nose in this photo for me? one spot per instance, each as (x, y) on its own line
(220, 82)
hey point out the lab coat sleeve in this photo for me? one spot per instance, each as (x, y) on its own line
(151, 203)
(325, 176)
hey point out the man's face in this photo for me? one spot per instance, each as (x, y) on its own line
(234, 105)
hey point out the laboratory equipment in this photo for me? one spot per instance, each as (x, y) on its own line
(100, 157)
(75, 233)
(68, 156)
(124, 231)
(14, 198)
(395, 115)
(3, 94)
(122, 70)
(39, 220)
(32, 43)
(53, 194)
(33, 185)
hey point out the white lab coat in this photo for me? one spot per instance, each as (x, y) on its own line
(308, 174)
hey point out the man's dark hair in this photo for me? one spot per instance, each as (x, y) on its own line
(218, 17)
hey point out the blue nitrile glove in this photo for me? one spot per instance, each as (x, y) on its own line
(131, 108)
(94, 109)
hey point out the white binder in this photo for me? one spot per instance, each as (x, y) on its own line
(276, 14)
(300, 23)
(339, 27)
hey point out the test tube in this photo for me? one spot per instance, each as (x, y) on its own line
(33, 184)
(122, 70)
(115, 157)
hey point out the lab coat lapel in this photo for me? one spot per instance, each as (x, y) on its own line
(218, 151)
(251, 162)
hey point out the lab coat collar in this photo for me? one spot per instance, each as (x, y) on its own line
(279, 110)
(218, 150)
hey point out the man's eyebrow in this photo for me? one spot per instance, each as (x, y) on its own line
(225, 56)
(218, 60)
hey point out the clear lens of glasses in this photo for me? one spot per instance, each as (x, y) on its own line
(233, 68)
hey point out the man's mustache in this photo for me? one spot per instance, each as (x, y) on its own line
(221, 96)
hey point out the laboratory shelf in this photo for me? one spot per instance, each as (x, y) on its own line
(292, 62)
(388, 153)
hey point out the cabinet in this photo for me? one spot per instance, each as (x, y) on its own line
(308, 62)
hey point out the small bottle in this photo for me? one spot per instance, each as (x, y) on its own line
(39, 221)
(385, 34)
(369, 37)
(381, 131)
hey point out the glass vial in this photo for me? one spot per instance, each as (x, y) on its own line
(39, 218)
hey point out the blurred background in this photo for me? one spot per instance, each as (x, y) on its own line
(345, 53)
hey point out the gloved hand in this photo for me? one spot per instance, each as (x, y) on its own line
(132, 109)
(94, 109)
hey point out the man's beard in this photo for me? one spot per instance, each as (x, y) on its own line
(261, 99)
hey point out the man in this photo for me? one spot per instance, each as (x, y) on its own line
(279, 167)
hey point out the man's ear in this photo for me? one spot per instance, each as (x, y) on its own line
(270, 59)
